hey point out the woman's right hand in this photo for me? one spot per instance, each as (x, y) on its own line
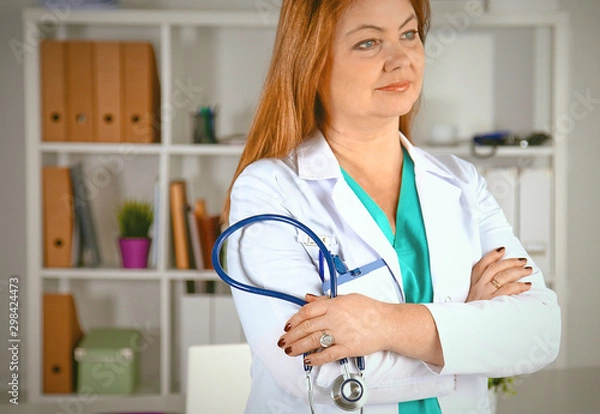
(493, 276)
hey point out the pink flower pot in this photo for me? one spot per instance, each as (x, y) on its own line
(134, 252)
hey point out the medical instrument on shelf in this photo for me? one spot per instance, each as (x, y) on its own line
(349, 391)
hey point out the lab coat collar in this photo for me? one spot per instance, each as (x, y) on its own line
(316, 160)
(425, 161)
(438, 193)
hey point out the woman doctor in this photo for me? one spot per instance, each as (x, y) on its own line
(461, 300)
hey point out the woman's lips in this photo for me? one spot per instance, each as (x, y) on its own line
(395, 87)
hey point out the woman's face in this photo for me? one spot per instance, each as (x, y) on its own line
(377, 63)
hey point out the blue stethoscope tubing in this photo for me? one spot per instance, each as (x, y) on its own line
(216, 260)
(324, 256)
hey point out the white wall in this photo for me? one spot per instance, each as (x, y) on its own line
(584, 150)
(583, 341)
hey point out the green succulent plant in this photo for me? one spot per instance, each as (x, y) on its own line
(135, 218)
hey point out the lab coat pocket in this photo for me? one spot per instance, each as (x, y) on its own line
(378, 284)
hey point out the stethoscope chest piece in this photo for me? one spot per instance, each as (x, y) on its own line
(349, 392)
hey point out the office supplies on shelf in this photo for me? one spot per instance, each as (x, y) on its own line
(108, 83)
(89, 254)
(142, 93)
(58, 216)
(53, 83)
(203, 125)
(108, 361)
(80, 92)
(195, 239)
(61, 335)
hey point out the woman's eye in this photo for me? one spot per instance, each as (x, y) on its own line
(411, 35)
(366, 45)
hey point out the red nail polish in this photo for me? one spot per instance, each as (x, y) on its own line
(523, 259)
(528, 283)
(500, 249)
(311, 295)
(528, 267)
(287, 327)
(281, 343)
(288, 350)
(307, 361)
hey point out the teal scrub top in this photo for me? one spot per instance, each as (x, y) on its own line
(410, 243)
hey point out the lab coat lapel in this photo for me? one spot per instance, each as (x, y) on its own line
(358, 218)
(445, 226)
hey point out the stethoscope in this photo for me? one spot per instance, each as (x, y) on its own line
(349, 390)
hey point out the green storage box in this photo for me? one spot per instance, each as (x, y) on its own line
(108, 361)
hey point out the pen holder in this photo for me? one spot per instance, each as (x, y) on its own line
(203, 126)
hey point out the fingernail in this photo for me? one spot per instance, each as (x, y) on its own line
(307, 361)
(288, 350)
(523, 259)
(500, 249)
(528, 283)
(311, 295)
(281, 343)
(528, 267)
(287, 327)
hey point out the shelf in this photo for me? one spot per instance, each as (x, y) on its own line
(265, 18)
(208, 18)
(464, 150)
(119, 274)
(235, 150)
(101, 274)
(100, 148)
(202, 275)
(144, 391)
(205, 149)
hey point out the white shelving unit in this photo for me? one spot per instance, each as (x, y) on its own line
(183, 56)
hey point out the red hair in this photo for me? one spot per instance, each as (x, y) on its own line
(290, 108)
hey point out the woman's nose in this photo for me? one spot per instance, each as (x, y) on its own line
(397, 58)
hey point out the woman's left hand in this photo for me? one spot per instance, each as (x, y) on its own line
(349, 319)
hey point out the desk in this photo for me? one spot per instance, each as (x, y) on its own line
(574, 390)
(173, 403)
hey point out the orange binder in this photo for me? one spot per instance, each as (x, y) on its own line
(178, 220)
(80, 87)
(142, 93)
(62, 333)
(52, 63)
(58, 216)
(108, 84)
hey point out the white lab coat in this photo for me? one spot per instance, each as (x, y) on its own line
(505, 336)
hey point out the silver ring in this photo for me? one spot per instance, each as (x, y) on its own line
(326, 340)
